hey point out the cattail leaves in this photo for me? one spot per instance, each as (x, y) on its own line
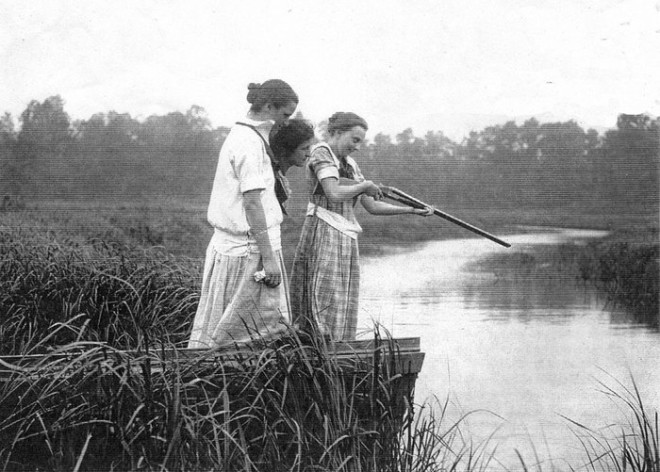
(125, 295)
(282, 405)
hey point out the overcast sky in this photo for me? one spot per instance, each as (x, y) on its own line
(450, 65)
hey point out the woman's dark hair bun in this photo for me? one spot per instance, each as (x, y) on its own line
(252, 92)
(273, 91)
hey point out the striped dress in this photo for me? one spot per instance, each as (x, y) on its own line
(325, 278)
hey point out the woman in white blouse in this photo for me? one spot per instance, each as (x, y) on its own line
(244, 288)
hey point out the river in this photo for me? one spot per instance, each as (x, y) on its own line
(520, 352)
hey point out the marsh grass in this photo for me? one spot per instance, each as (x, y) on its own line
(121, 296)
(628, 273)
(632, 446)
(283, 404)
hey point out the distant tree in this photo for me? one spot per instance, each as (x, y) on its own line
(637, 135)
(7, 129)
(438, 145)
(10, 176)
(408, 147)
(169, 132)
(382, 140)
(107, 132)
(631, 154)
(42, 145)
(178, 132)
(472, 148)
(562, 142)
(200, 136)
(45, 127)
(405, 137)
(198, 119)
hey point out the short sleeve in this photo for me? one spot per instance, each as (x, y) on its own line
(248, 161)
(322, 164)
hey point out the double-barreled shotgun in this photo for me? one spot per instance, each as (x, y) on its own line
(397, 195)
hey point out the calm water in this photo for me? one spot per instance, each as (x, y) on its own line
(526, 349)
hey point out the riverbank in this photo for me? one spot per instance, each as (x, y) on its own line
(624, 264)
(179, 225)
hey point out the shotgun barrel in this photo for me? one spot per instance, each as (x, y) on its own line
(402, 197)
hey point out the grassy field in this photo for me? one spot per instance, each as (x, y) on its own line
(179, 225)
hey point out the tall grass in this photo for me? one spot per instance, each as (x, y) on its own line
(287, 404)
(121, 296)
(632, 446)
(630, 273)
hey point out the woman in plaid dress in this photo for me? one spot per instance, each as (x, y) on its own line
(325, 279)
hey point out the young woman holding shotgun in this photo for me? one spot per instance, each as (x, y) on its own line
(244, 287)
(325, 279)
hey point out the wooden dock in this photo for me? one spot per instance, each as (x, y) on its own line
(395, 360)
(405, 357)
(359, 393)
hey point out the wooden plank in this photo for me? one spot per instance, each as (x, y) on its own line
(408, 358)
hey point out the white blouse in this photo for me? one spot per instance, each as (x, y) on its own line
(243, 165)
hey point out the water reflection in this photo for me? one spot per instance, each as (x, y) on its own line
(527, 348)
(530, 298)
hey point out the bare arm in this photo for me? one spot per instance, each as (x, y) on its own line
(256, 218)
(381, 208)
(339, 190)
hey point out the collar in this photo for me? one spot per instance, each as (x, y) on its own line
(265, 125)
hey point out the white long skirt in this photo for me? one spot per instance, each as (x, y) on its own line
(233, 307)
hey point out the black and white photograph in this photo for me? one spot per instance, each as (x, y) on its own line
(302, 235)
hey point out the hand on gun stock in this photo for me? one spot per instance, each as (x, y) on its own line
(372, 190)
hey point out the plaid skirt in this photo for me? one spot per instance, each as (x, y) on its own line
(325, 281)
(233, 307)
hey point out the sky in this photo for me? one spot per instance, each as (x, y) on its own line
(442, 65)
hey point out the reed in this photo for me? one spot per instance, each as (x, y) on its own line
(122, 296)
(628, 272)
(633, 445)
(285, 404)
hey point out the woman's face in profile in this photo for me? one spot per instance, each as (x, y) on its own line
(280, 115)
(301, 154)
(350, 141)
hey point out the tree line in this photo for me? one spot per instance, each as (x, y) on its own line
(532, 165)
